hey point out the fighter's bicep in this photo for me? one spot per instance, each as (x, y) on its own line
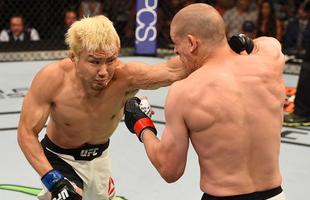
(38, 101)
(144, 76)
(34, 113)
(175, 136)
(174, 113)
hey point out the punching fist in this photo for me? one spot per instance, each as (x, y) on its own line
(240, 43)
(60, 188)
(135, 119)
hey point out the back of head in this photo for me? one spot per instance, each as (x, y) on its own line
(202, 21)
(92, 34)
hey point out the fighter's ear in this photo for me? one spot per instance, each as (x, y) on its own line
(192, 42)
(72, 56)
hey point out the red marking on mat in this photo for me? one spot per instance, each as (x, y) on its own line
(289, 99)
(111, 188)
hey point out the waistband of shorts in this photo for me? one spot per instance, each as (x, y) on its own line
(251, 196)
(85, 152)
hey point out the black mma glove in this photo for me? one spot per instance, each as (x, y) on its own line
(240, 43)
(60, 188)
(135, 119)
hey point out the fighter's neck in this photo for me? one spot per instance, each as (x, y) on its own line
(215, 55)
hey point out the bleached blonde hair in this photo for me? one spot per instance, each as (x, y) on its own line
(92, 34)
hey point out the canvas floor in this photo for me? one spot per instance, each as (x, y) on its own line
(135, 177)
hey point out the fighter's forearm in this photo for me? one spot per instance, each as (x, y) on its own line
(33, 151)
(158, 157)
(151, 145)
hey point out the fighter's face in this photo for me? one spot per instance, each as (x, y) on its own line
(181, 48)
(16, 25)
(96, 69)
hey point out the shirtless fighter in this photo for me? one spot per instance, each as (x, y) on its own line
(83, 96)
(229, 107)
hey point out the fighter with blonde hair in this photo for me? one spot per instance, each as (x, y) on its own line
(83, 96)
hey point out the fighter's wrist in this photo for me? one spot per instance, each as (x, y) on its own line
(143, 123)
(147, 130)
(51, 178)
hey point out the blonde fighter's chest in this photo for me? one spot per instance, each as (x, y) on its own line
(75, 110)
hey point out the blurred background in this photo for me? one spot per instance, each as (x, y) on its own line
(35, 29)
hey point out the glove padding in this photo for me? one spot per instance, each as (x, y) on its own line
(240, 43)
(60, 188)
(63, 190)
(135, 119)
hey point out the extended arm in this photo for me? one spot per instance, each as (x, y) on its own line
(143, 76)
(169, 154)
(268, 48)
(34, 114)
(35, 111)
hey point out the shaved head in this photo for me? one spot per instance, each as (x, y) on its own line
(200, 20)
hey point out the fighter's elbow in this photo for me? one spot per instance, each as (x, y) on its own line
(20, 138)
(171, 175)
(21, 134)
(171, 178)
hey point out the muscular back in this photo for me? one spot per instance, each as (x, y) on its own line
(234, 116)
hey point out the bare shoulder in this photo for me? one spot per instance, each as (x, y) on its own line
(133, 67)
(181, 90)
(53, 72)
(122, 67)
(121, 71)
(129, 72)
(51, 77)
(176, 98)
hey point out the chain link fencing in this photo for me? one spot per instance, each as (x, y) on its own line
(48, 18)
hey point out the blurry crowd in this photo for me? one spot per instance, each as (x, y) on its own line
(41, 20)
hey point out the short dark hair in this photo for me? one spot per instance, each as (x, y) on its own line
(17, 15)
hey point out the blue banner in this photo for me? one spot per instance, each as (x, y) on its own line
(146, 32)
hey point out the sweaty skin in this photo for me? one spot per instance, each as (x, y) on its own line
(83, 97)
(232, 114)
(230, 107)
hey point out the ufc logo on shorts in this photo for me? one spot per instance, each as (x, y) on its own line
(89, 152)
(62, 195)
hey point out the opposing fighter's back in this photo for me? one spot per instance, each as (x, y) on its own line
(237, 147)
